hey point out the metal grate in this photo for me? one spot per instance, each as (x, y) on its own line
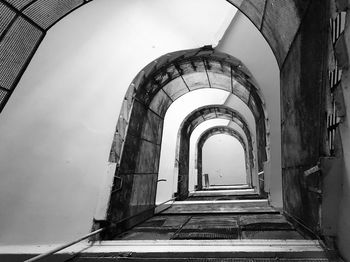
(205, 235)
(19, 4)
(332, 124)
(337, 26)
(23, 24)
(47, 12)
(6, 16)
(2, 96)
(15, 49)
(334, 77)
(221, 259)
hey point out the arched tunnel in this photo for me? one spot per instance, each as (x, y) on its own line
(158, 81)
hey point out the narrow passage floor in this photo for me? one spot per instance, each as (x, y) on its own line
(215, 219)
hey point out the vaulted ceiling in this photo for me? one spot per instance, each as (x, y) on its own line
(24, 23)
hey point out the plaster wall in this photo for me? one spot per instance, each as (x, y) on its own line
(303, 82)
(56, 131)
(224, 160)
(244, 41)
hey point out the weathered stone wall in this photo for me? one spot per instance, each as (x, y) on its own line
(278, 21)
(303, 81)
(137, 142)
(340, 53)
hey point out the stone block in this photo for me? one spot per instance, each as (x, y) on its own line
(148, 157)
(220, 81)
(138, 115)
(160, 103)
(130, 154)
(175, 88)
(152, 128)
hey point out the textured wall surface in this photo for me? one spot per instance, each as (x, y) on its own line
(189, 124)
(23, 25)
(173, 75)
(278, 21)
(302, 84)
(68, 100)
(343, 134)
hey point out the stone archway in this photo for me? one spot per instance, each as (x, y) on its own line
(137, 141)
(188, 126)
(221, 130)
(297, 47)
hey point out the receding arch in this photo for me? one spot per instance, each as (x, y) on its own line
(164, 80)
(137, 141)
(188, 126)
(287, 72)
(250, 170)
(220, 130)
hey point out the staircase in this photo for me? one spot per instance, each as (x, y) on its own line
(208, 226)
(205, 228)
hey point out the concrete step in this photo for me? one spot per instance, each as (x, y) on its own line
(212, 226)
(86, 259)
(231, 192)
(226, 187)
(176, 250)
(237, 197)
(202, 250)
(220, 206)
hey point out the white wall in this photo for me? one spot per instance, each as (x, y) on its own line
(224, 160)
(57, 128)
(244, 41)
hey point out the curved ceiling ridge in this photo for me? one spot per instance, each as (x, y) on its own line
(225, 130)
(184, 136)
(216, 130)
(172, 75)
(166, 68)
(24, 24)
(206, 113)
(198, 116)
